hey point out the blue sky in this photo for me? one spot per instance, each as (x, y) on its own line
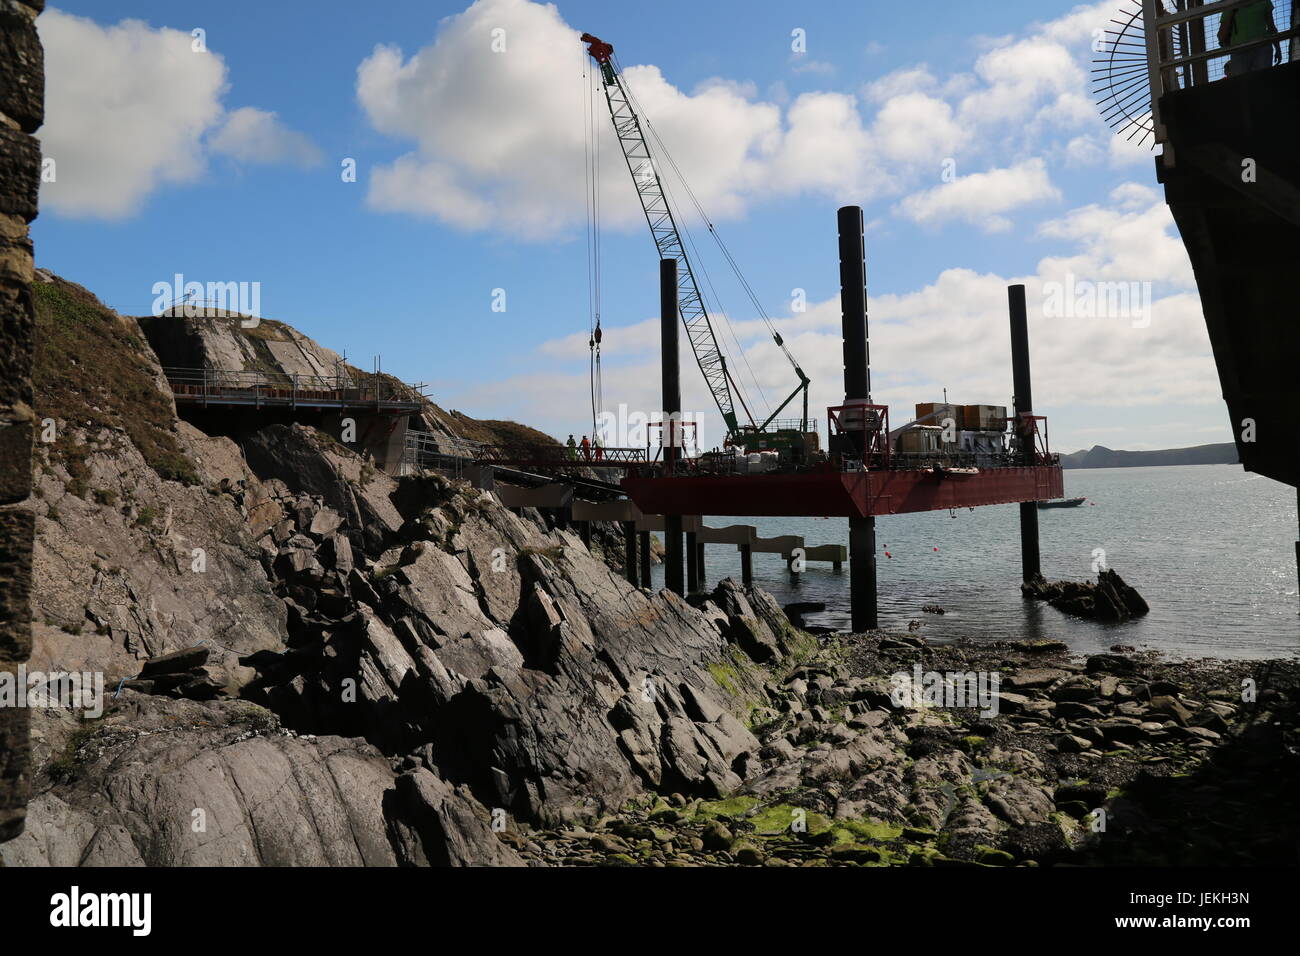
(225, 166)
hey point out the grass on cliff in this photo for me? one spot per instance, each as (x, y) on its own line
(495, 432)
(92, 372)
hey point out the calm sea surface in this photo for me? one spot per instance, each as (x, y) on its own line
(1210, 547)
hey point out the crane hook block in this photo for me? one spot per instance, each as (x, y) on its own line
(600, 50)
(603, 54)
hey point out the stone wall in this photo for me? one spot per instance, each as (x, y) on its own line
(22, 99)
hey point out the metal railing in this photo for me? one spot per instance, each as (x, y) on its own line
(793, 424)
(559, 456)
(255, 387)
(425, 449)
(1183, 48)
(441, 452)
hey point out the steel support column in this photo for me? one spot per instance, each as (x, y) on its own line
(857, 387)
(1030, 561)
(746, 565)
(672, 394)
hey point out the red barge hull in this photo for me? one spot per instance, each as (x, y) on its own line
(842, 494)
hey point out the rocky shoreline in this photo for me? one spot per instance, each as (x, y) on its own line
(310, 662)
(1113, 759)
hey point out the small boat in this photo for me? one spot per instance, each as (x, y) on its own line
(1062, 503)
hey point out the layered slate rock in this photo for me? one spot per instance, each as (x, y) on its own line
(163, 782)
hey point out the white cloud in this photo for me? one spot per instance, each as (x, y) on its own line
(128, 108)
(499, 136)
(912, 79)
(496, 138)
(917, 128)
(981, 198)
(251, 135)
(1084, 151)
(1021, 78)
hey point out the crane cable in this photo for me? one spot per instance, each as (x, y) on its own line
(592, 196)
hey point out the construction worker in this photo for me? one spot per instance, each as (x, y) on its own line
(600, 452)
(573, 448)
(586, 449)
(1252, 20)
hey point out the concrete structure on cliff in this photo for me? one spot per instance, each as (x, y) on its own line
(22, 104)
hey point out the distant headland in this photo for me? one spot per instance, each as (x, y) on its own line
(1099, 456)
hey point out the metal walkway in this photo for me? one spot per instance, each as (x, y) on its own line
(458, 456)
(375, 393)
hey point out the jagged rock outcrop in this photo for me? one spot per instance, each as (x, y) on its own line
(237, 344)
(524, 666)
(1110, 598)
(140, 566)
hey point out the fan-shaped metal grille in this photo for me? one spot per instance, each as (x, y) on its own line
(1121, 79)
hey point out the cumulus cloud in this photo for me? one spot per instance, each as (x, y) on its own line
(251, 135)
(980, 198)
(126, 110)
(493, 115)
(499, 133)
(129, 108)
(915, 127)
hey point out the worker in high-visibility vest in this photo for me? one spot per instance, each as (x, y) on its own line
(573, 449)
(1250, 21)
(586, 449)
(600, 452)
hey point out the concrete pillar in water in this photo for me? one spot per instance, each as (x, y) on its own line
(1030, 561)
(857, 388)
(746, 565)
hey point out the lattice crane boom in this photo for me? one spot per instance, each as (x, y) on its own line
(667, 238)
